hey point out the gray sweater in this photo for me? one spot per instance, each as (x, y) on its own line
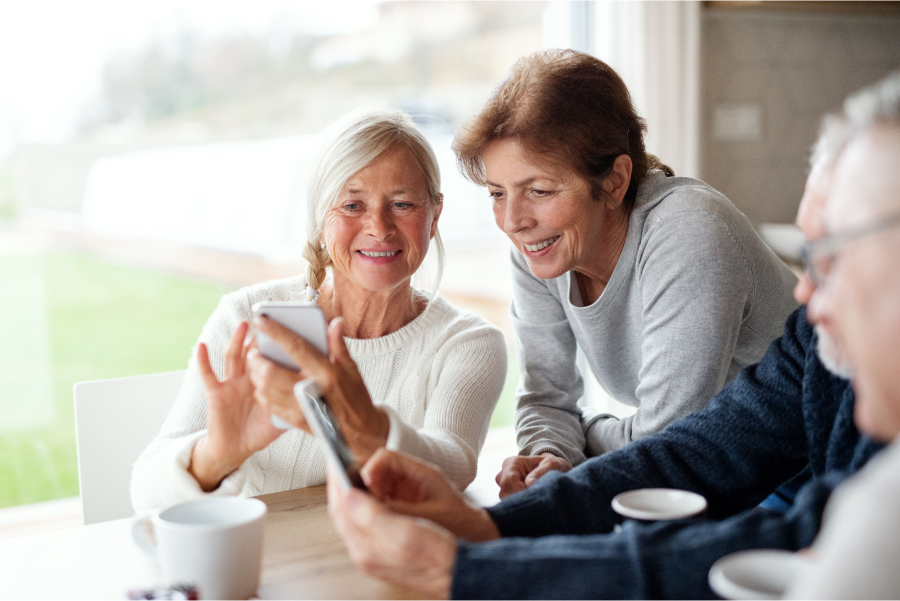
(696, 296)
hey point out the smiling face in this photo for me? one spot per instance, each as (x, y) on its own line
(378, 230)
(548, 212)
(860, 299)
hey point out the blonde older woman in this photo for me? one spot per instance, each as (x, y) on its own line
(406, 371)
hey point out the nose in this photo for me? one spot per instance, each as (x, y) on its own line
(804, 289)
(516, 215)
(819, 304)
(380, 224)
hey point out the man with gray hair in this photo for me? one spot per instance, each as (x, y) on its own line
(787, 413)
(858, 303)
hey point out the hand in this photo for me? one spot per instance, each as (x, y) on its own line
(238, 426)
(402, 550)
(365, 426)
(518, 473)
(274, 388)
(411, 487)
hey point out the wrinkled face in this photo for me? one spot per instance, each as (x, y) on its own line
(378, 230)
(811, 220)
(860, 299)
(547, 212)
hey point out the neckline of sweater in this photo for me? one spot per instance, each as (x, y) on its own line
(393, 341)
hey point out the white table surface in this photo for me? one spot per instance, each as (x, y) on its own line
(89, 562)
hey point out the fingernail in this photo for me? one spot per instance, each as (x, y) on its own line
(252, 353)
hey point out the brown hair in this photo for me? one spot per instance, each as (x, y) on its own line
(568, 106)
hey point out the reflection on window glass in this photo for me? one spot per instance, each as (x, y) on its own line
(157, 163)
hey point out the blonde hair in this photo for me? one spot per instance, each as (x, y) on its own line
(347, 146)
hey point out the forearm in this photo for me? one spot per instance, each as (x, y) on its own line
(456, 457)
(550, 429)
(161, 478)
(665, 560)
(458, 408)
(731, 453)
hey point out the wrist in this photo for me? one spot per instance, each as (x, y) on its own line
(368, 435)
(477, 526)
(209, 467)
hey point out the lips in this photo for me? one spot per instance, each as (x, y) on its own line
(378, 253)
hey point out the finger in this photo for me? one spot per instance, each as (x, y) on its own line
(543, 468)
(516, 468)
(210, 381)
(510, 486)
(233, 364)
(336, 345)
(249, 343)
(404, 476)
(302, 352)
(274, 388)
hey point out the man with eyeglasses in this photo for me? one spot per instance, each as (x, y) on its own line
(857, 299)
(792, 411)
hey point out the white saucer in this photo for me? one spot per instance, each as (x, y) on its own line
(755, 574)
(658, 504)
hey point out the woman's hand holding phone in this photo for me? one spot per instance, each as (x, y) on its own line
(238, 425)
(364, 425)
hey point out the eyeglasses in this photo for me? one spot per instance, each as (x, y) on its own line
(818, 256)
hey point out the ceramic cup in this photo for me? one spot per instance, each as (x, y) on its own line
(756, 574)
(214, 544)
(653, 504)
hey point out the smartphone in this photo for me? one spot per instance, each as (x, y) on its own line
(324, 425)
(305, 320)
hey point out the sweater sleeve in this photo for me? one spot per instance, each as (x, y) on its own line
(160, 477)
(548, 418)
(663, 560)
(751, 438)
(695, 292)
(469, 372)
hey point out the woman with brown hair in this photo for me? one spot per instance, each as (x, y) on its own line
(660, 281)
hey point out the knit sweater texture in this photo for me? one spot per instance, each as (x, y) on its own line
(438, 379)
(776, 418)
(694, 297)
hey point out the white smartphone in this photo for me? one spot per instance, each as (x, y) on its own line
(324, 425)
(305, 320)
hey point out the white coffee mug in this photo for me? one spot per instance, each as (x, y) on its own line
(213, 543)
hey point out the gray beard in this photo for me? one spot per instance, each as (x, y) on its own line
(831, 356)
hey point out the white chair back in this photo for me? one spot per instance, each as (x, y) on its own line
(115, 420)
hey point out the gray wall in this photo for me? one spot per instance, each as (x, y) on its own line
(766, 81)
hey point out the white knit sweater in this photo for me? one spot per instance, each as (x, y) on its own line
(438, 377)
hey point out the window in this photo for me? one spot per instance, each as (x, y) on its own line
(151, 159)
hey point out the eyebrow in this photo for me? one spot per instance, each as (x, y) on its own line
(519, 184)
(392, 192)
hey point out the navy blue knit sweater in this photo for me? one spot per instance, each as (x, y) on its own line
(776, 418)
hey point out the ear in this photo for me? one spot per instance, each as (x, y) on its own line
(437, 213)
(616, 183)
